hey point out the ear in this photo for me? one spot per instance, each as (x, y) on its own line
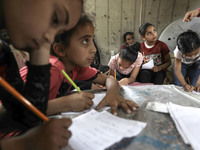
(142, 37)
(59, 49)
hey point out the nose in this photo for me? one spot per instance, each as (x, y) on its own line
(93, 48)
(49, 36)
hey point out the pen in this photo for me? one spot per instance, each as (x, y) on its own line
(70, 80)
(144, 58)
(22, 99)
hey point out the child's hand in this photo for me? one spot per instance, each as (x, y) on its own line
(115, 100)
(197, 88)
(124, 81)
(156, 69)
(80, 101)
(188, 88)
(51, 135)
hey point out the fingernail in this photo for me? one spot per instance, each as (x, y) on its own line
(128, 111)
(115, 113)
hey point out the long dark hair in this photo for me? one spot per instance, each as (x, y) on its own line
(130, 53)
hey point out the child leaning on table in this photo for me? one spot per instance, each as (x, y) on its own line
(127, 64)
(74, 51)
(187, 59)
(31, 26)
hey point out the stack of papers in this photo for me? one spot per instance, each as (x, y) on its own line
(99, 130)
(187, 121)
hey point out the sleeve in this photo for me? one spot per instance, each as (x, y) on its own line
(177, 53)
(86, 73)
(113, 62)
(36, 90)
(165, 50)
(139, 60)
(55, 82)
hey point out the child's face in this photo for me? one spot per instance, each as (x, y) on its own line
(81, 49)
(193, 53)
(31, 23)
(150, 35)
(129, 39)
(123, 64)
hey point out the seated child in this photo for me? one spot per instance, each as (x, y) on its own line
(126, 64)
(73, 51)
(187, 58)
(128, 38)
(154, 49)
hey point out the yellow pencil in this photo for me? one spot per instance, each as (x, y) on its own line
(188, 81)
(144, 58)
(22, 99)
(71, 81)
(115, 74)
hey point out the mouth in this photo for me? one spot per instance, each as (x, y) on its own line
(91, 59)
(35, 44)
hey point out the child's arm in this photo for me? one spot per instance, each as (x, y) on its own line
(73, 102)
(132, 77)
(112, 72)
(197, 86)
(164, 65)
(112, 98)
(177, 69)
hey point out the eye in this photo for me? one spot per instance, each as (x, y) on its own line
(85, 41)
(149, 33)
(55, 18)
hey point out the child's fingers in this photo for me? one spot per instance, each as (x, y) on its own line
(100, 105)
(132, 105)
(125, 107)
(114, 109)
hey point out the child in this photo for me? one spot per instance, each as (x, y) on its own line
(75, 52)
(154, 49)
(126, 64)
(128, 38)
(31, 26)
(187, 58)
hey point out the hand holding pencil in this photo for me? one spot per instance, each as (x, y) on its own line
(188, 87)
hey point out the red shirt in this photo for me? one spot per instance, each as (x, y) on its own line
(78, 73)
(157, 52)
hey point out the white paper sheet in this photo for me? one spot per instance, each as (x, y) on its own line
(148, 65)
(97, 99)
(157, 106)
(187, 120)
(94, 130)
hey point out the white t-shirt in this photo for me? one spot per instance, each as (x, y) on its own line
(186, 59)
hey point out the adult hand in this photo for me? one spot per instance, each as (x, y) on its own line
(189, 15)
(115, 100)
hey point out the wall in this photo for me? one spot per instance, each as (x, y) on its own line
(112, 18)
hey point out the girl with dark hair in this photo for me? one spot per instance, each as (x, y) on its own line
(154, 49)
(74, 51)
(127, 64)
(128, 38)
(187, 59)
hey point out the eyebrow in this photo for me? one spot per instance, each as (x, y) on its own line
(85, 36)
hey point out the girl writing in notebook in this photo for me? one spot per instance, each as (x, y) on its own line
(187, 61)
(154, 49)
(31, 26)
(73, 51)
(126, 64)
